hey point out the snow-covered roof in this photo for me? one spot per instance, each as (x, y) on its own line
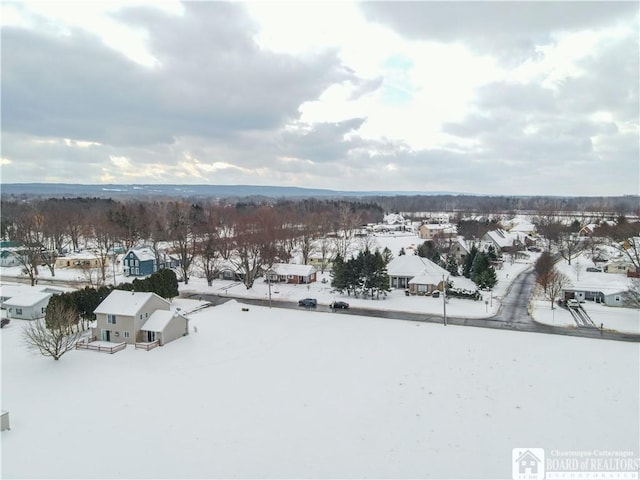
(27, 299)
(158, 320)
(393, 218)
(143, 253)
(293, 269)
(413, 265)
(120, 302)
(81, 255)
(501, 238)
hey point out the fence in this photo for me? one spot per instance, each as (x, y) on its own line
(99, 347)
(147, 346)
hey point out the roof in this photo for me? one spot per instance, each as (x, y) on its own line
(159, 320)
(413, 265)
(293, 269)
(143, 254)
(121, 302)
(501, 238)
(28, 299)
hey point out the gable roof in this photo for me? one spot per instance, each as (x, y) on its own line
(27, 299)
(143, 254)
(293, 269)
(121, 302)
(413, 265)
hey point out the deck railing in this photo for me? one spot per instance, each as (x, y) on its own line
(147, 346)
(100, 348)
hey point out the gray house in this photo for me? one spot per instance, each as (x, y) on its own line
(129, 317)
(27, 306)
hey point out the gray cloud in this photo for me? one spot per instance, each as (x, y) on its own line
(509, 29)
(212, 80)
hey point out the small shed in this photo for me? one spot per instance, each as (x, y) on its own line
(27, 306)
(164, 326)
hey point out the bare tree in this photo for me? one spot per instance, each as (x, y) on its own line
(632, 296)
(569, 246)
(556, 283)
(346, 222)
(55, 341)
(543, 267)
(29, 234)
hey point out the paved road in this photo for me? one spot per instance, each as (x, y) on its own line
(513, 314)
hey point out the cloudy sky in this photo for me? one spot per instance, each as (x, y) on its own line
(535, 98)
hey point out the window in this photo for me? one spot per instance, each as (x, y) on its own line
(18, 311)
(111, 319)
(146, 315)
(617, 298)
(126, 334)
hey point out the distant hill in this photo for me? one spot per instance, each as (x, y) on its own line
(175, 190)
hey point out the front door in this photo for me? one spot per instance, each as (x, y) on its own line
(106, 335)
(151, 336)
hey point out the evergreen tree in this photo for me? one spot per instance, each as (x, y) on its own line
(387, 255)
(452, 266)
(402, 252)
(468, 262)
(491, 253)
(338, 274)
(488, 278)
(480, 264)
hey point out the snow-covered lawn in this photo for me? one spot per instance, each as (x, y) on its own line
(273, 393)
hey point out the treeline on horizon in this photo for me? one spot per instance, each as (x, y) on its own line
(378, 205)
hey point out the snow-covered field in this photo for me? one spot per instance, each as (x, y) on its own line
(273, 393)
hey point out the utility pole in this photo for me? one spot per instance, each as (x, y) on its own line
(269, 283)
(444, 301)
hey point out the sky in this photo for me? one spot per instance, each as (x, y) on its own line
(500, 98)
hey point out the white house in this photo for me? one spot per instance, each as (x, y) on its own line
(416, 273)
(27, 306)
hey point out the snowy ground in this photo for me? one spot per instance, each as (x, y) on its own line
(273, 393)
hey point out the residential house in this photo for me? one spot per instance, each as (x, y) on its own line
(83, 259)
(459, 249)
(611, 294)
(403, 269)
(27, 306)
(10, 257)
(503, 241)
(619, 266)
(291, 273)
(123, 317)
(142, 261)
(230, 271)
(429, 231)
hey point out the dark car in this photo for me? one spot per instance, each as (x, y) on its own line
(4, 322)
(336, 305)
(594, 269)
(307, 302)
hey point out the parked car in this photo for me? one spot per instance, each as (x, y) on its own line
(435, 294)
(573, 303)
(339, 304)
(307, 302)
(594, 269)
(4, 322)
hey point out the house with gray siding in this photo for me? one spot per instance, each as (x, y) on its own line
(122, 316)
